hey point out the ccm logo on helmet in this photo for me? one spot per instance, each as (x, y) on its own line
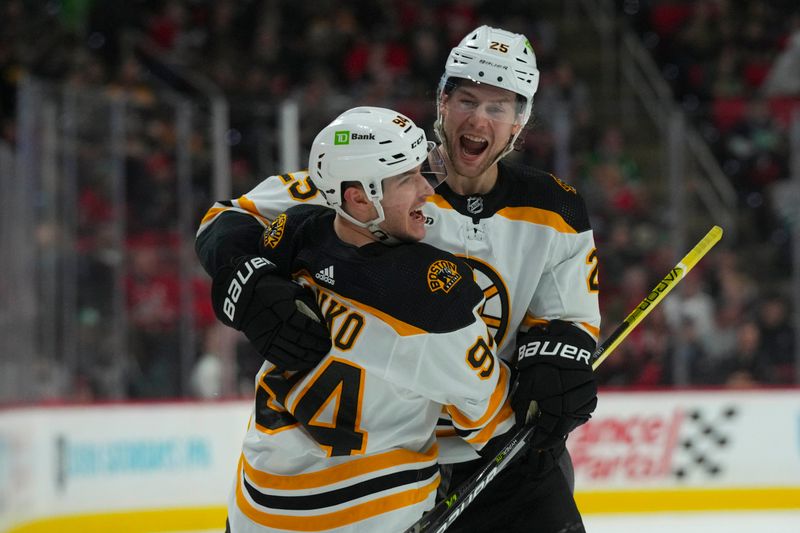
(235, 288)
(559, 349)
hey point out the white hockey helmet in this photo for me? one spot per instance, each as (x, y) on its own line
(495, 57)
(367, 145)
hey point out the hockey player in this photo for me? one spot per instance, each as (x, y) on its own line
(527, 236)
(350, 444)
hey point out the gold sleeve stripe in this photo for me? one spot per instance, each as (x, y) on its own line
(498, 396)
(595, 331)
(489, 431)
(404, 329)
(537, 216)
(248, 205)
(336, 519)
(530, 321)
(439, 201)
(334, 474)
(212, 213)
(244, 203)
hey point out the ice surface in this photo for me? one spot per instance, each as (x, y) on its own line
(696, 522)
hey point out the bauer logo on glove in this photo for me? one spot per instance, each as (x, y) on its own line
(553, 348)
(239, 280)
(279, 317)
(556, 387)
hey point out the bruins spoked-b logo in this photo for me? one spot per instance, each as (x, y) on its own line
(496, 308)
(273, 234)
(442, 275)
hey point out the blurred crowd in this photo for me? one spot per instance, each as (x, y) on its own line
(735, 69)
(733, 66)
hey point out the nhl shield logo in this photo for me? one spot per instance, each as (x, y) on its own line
(273, 234)
(442, 275)
(475, 204)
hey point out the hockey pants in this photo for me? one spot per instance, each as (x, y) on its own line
(526, 497)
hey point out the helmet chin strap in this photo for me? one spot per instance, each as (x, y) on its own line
(382, 236)
(509, 147)
(372, 226)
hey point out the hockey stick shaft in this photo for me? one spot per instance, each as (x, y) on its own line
(658, 293)
(447, 510)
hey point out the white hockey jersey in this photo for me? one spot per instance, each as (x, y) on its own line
(528, 241)
(350, 445)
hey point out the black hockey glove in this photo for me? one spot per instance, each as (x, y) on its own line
(555, 372)
(278, 316)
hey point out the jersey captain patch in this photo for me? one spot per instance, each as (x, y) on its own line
(273, 234)
(442, 275)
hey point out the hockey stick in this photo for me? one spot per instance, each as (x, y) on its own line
(446, 511)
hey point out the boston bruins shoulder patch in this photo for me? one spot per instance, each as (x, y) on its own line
(274, 233)
(563, 185)
(442, 275)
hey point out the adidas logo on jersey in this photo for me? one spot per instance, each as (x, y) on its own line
(326, 275)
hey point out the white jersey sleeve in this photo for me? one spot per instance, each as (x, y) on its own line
(269, 198)
(460, 371)
(568, 287)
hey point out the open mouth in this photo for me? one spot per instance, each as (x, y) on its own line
(417, 215)
(473, 146)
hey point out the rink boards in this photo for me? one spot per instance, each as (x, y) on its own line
(168, 467)
(700, 450)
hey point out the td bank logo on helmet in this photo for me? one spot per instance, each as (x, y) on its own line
(345, 136)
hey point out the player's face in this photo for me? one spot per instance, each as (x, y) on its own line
(403, 198)
(479, 121)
